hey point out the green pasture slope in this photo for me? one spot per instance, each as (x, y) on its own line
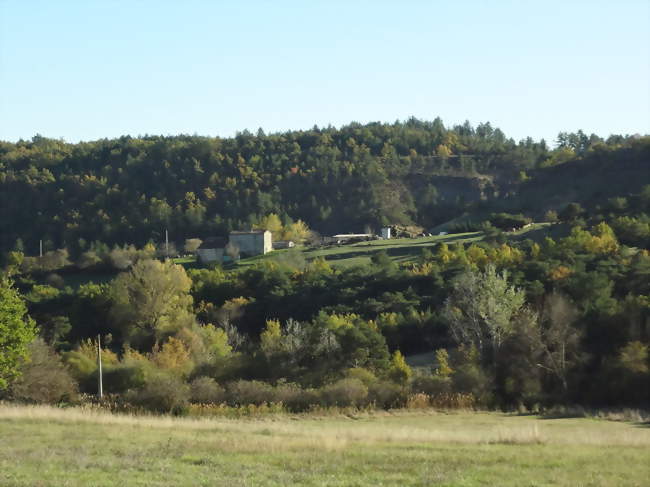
(44, 446)
(400, 250)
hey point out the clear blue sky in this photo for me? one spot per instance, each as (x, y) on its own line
(82, 70)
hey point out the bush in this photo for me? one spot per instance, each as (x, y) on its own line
(81, 367)
(345, 392)
(223, 410)
(206, 390)
(446, 400)
(44, 378)
(452, 400)
(431, 384)
(243, 392)
(364, 375)
(470, 379)
(506, 221)
(295, 398)
(163, 394)
(55, 280)
(418, 401)
(122, 377)
(386, 394)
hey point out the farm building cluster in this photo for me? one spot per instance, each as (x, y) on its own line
(244, 244)
(239, 244)
(259, 242)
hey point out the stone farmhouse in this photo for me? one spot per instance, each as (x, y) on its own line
(255, 242)
(251, 243)
(211, 250)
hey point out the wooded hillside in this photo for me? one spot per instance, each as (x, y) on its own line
(128, 190)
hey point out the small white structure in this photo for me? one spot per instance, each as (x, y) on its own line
(352, 235)
(283, 244)
(385, 233)
(255, 242)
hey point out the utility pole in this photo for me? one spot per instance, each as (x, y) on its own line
(40, 248)
(100, 390)
(167, 243)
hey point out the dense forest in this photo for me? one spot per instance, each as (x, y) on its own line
(558, 316)
(129, 190)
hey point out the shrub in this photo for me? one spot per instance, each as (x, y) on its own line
(80, 366)
(506, 221)
(417, 401)
(173, 356)
(122, 377)
(244, 392)
(206, 390)
(345, 392)
(44, 378)
(364, 375)
(55, 280)
(431, 384)
(452, 400)
(446, 400)
(386, 395)
(470, 378)
(223, 410)
(162, 393)
(295, 398)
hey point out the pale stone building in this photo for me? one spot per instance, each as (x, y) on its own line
(211, 250)
(255, 242)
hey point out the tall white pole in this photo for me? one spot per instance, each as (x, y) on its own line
(167, 243)
(40, 248)
(100, 391)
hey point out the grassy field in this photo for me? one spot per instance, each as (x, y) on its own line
(44, 446)
(400, 250)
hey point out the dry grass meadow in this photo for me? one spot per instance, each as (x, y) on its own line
(45, 446)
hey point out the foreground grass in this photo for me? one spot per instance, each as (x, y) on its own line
(51, 447)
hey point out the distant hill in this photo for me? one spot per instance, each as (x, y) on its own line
(603, 173)
(129, 190)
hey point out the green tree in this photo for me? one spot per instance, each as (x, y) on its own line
(297, 232)
(17, 330)
(633, 357)
(571, 212)
(443, 368)
(399, 371)
(481, 308)
(271, 339)
(151, 299)
(550, 216)
(518, 376)
(559, 339)
(273, 224)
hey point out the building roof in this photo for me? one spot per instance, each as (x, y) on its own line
(352, 235)
(251, 232)
(214, 243)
